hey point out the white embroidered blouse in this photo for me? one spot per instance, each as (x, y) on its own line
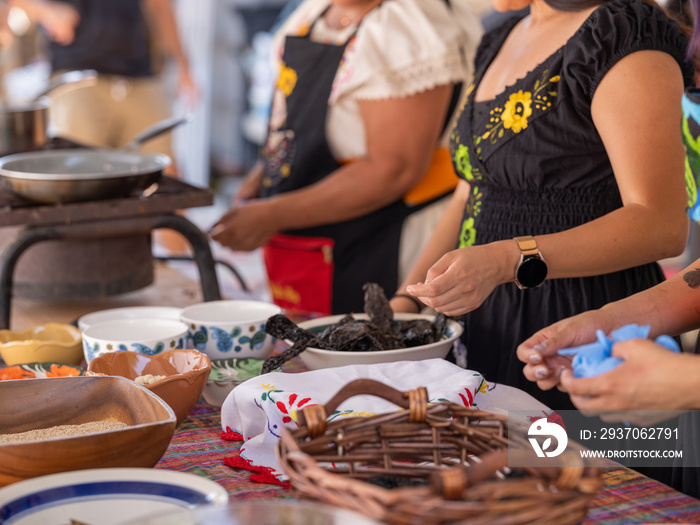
(402, 47)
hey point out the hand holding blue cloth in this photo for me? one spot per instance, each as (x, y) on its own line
(596, 358)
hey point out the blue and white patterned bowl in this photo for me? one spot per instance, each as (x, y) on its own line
(230, 328)
(148, 336)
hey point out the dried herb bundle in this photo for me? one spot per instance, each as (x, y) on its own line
(379, 332)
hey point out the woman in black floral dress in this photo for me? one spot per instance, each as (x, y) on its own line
(569, 134)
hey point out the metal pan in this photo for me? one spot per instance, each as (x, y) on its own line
(23, 125)
(75, 175)
(85, 174)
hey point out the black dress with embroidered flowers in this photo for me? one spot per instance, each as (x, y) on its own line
(537, 165)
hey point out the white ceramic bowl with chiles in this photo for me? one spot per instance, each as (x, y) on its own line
(230, 328)
(316, 358)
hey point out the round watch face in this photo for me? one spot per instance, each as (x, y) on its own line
(532, 272)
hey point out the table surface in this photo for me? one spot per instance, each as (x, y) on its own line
(627, 497)
(197, 446)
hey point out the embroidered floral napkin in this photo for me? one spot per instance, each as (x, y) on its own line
(260, 407)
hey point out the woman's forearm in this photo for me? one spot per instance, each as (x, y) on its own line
(627, 237)
(352, 191)
(671, 307)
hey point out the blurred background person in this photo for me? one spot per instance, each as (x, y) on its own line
(352, 176)
(124, 42)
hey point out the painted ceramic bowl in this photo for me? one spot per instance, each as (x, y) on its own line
(176, 376)
(316, 358)
(62, 424)
(129, 312)
(230, 329)
(145, 335)
(227, 374)
(46, 343)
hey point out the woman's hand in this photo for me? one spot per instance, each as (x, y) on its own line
(247, 226)
(462, 279)
(58, 19)
(651, 378)
(539, 352)
(250, 187)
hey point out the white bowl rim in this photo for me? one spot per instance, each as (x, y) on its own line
(123, 312)
(189, 313)
(328, 320)
(179, 328)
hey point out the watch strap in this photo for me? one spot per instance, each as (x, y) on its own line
(527, 245)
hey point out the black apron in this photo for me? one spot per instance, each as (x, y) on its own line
(361, 250)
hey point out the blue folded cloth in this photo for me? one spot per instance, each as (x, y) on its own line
(596, 358)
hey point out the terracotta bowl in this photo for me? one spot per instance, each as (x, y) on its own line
(32, 404)
(186, 372)
(46, 343)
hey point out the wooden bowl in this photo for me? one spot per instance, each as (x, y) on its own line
(32, 404)
(186, 372)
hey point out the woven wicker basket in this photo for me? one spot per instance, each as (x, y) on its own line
(447, 462)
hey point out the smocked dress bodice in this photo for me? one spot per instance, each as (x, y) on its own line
(533, 152)
(537, 165)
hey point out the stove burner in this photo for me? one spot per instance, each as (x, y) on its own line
(95, 221)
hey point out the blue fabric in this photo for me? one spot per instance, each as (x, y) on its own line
(596, 358)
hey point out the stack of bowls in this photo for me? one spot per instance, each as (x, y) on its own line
(232, 333)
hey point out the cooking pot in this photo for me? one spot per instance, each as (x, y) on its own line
(83, 174)
(23, 125)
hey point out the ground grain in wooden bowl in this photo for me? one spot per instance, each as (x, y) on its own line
(62, 431)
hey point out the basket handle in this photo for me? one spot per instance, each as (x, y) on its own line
(566, 473)
(415, 401)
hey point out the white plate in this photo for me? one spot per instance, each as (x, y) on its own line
(273, 512)
(105, 496)
(129, 312)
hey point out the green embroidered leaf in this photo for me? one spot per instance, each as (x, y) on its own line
(500, 133)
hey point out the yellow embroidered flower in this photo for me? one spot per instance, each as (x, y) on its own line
(516, 111)
(287, 80)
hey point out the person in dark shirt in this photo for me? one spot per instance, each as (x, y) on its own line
(117, 39)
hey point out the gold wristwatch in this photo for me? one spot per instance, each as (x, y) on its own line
(532, 268)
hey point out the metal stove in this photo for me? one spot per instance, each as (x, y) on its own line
(96, 248)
